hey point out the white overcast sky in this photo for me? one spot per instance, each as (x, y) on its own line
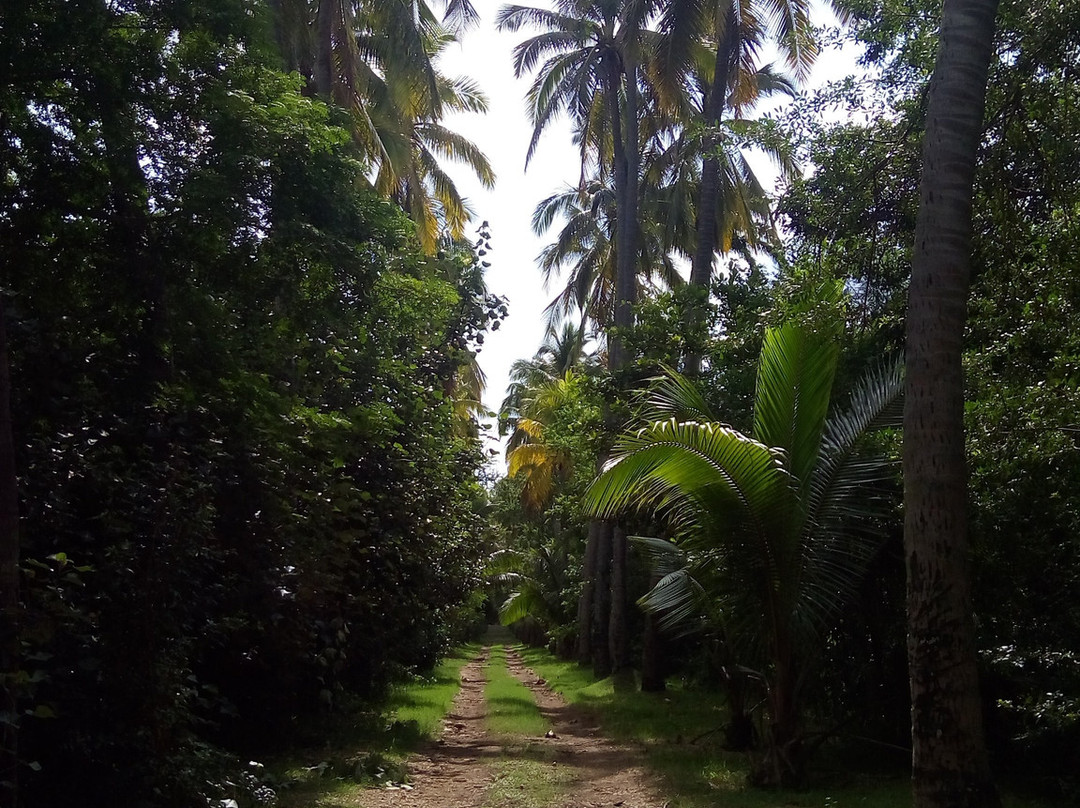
(503, 135)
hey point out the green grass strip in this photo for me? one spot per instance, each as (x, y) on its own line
(526, 783)
(511, 710)
(701, 774)
(416, 708)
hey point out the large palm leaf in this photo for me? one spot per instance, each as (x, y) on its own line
(770, 529)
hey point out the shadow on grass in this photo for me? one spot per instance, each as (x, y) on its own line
(364, 747)
(680, 731)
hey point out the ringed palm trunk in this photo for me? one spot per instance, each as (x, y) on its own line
(709, 193)
(601, 602)
(588, 594)
(328, 11)
(949, 762)
(625, 292)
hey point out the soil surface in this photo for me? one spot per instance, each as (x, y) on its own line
(456, 771)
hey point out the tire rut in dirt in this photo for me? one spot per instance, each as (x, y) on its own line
(607, 774)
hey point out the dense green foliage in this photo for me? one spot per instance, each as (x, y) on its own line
(851, 218)
(243, 493)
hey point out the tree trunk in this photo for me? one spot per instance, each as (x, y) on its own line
(949, 762)
(652, 652)
(324, 61)
(601, 615)
(619, 624)
(9, 585)
(586, 603)
(624, 148)
(701, 268)
(625, 297)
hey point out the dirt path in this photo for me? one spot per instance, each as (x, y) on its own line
(457, 770)
(453, 772)
(607, 774)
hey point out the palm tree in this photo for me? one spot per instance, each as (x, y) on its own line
(528, 454)
(563, 350)
(587, 62)
(537, 579)
(584, 247)
(413, 177)
(950, 766)
(776, 526)
(377, 59)
(733, 35)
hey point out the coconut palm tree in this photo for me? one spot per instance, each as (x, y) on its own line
(377, 59)
(528, 453)
(706, 61)
(584, 249)
(734, 34)
(949, 761)
(776, 526)
(588, 65)
(563, 350)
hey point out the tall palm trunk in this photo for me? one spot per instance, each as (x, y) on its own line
(625, 293)
(701, 268)
(325, 17)
(9, 584)
(603, 605)
(624, 146)
(619, 624)
(949, 763)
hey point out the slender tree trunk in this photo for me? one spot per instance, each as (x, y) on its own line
(949, 762)
(625, 213)
(601, 615)
(652, 652)
(625, 295)
(619, 624)
(701, 269)
(9, 585)
(588, 590)
(784, 754)
(324, 61)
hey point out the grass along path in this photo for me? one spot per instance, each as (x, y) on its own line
(512, 713)
(677, 732)
(526, 773)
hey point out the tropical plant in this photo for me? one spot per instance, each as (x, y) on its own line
(585, 247)
(588, 60)
(378, 61)
(733, 34)
(536, 579)
(949, 761)
(775, 526)
(529, 454)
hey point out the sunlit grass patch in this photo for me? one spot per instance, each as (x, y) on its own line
(511, 709)
(527, 783)
(674, 716)
(417, 708)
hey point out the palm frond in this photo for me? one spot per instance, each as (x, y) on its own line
(794, 386)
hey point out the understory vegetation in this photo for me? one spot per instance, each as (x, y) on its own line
(248, 483)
